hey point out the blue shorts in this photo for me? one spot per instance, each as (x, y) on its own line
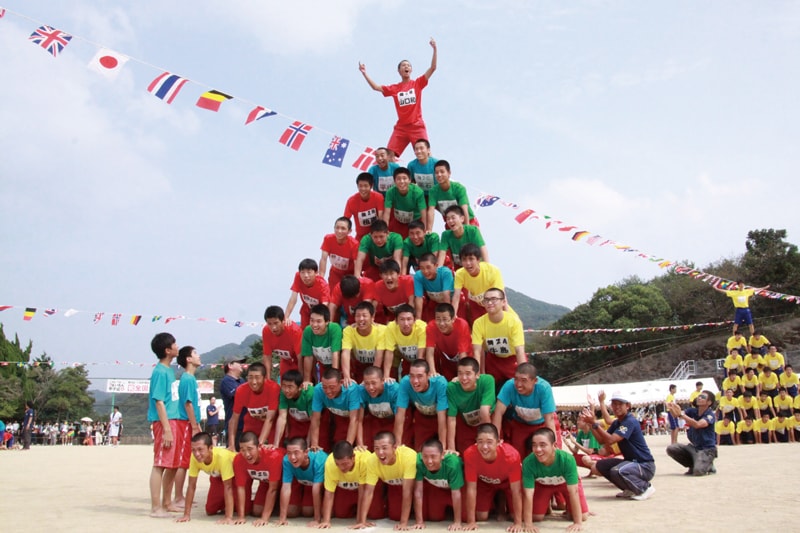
(743, 316)
(673, 422)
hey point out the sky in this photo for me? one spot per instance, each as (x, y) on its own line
(669, 127)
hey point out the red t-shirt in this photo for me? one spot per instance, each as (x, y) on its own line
(506, 468)
(286, 345)
(367, 292)
(342, 257)
(254, 403)
(364, 212)
(459, 340)
(318, 293)
(391, 300)
(407, 98)
(268, 468)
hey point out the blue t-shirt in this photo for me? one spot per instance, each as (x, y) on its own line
(382, 406)
(632, 445)
(384, 179)
(313, 473)
(423, 175)
(442, 283)
(528, 409)
(427, 403)
(702, 438)
(163, 387)
(212, 420)
(188, 392)
(348, 400)
(227, 389)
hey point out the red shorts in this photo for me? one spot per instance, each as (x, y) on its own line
(345, 503)
(501, 368)
(398, 227)
(372, 426)
(285, 365)
(335, 277)
(215, 502)
(521, 434)
(302, 495)
(465, 434)
(260, 499)
(296, 428)
(166, 457)
(183, 442)
(403, 135)
(435, 502)
(486, 493)
(425, 427)
(543, 493)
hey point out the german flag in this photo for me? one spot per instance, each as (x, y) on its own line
(211, 100)
(135, 320)
(29, 312)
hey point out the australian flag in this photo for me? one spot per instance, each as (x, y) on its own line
(50, 39)
(486, 200)
(335, 154)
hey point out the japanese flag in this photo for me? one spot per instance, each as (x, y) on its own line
(107, 62)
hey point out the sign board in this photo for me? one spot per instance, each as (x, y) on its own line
(142, 386)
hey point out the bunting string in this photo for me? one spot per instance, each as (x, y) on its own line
(650, 329)
(725, 284)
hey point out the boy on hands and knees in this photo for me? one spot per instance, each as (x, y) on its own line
(218, 464)
(294, 408)
(698, 456)
(162, 413)
(322, 343)
(422, 167)
(365, 207)
(490, 466)
(498, 339)
(341, 249)
(550, 470)
(303, 474)
(311, 288)
(470, 402)
(345, 476)
(392, 469)
(440, 479)
(405, 202)
(256, 463)
(447, 341)
(634, 471)
(382, 171)
(334, 412)
(378, 406)
(280, 340)
(428, 395)
(377, 247)
(363, 344)
(257, 401)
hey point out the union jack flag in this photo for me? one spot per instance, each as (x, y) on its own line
(50, 39)
(365, 160)
(295, 134)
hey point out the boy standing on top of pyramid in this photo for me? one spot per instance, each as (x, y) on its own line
(407, 97)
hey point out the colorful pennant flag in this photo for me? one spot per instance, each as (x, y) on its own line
(115, 319)
(4, 307)
(523, 216)
(486, 200)
(222, 320)
(69, 312)
(258, 113)
(50, 312)
(29, 312)
(211, 100)
(365, 160)
(135, 320)
(156, 318)
(335, 153)
(98, 317)
(107, 62)
(166, 86)
(2, 12)
(578, 235)
(295, 134)
(50, 39)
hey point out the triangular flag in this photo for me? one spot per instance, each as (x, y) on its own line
(258, 113)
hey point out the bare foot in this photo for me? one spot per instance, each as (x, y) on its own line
(173, 509)
(179, 504)
(159, 513)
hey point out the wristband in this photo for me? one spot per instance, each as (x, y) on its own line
(595, 426)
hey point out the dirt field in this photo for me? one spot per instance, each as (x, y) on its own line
(91, 489)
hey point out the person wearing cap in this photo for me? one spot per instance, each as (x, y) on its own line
(699, 455)
(230, 382)
(637, 467)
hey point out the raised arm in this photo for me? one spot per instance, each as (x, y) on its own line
(432, 68)
(375, 86)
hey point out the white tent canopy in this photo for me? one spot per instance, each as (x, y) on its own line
(640, 393)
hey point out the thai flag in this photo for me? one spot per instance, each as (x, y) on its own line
(166, 86)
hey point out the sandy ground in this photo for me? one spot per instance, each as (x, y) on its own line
(88, 489)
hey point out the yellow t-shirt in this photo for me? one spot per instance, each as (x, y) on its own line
(753, 361)
(782, 427)
(768, 383)
(788, 381)
(740, 297)
(782, 403)
(670, 398)
(764, 404)
(726, 406)
(694, 395)
(221, 464)
(721, 428)
(488, 277)
(757, 343)
(404, 467)
(364, 348)
(499, 338)
(750, 383)
(732, 384)
(744, 403)
(794, 422)
(411, 346)
(796, 402)
(742, 427)
(346, 480)
(774, 360)
(733, 362)
(759, 425)
(733, 342)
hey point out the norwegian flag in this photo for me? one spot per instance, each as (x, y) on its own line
(115, 319)
(365, 160)
(50, 39)
(98, 317)
(295, 134)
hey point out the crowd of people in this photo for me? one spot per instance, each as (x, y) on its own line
(82, 432)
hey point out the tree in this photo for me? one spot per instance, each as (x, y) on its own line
(770, 260)
(67, 397)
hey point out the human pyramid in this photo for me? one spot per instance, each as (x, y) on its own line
(405, 385)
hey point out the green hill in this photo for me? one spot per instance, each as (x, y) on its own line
(243, 349)
(534, 313)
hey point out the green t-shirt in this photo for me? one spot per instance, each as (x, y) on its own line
(377, 254)
(429, 245)
(455, 195)
(563, 470)
(322, 346)
(472, 234)
(406, 208)
(587, 440)
(299, 408)
(468, 404)
(449, 476)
